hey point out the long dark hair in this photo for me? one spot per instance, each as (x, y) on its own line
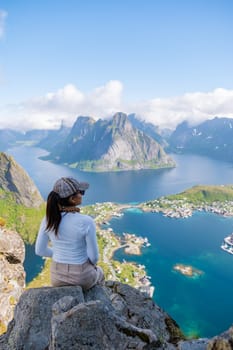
(53, 210)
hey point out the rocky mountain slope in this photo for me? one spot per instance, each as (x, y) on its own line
(107, 145)
(213, 138)
(112, 317)
(12, 276)
(149, 129)
(53, 138)
(14, 179)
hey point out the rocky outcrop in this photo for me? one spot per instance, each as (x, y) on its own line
(111, 317)
(12, 276)
(15, 180)
(107, 145)
(148, 128)
(115, 316)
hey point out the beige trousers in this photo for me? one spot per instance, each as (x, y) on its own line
(84, 275)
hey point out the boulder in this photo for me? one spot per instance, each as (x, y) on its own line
(12, 276)
(114, 316)
(111, 317)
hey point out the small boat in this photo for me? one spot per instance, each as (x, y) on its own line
(227, 244)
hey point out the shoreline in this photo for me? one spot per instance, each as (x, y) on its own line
(132, 245)
(172, 210)
(109, 242)
(104, 212)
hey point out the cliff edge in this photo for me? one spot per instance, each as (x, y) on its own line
(12, 276)
(111, 317)
(14, 179)
(115, 316)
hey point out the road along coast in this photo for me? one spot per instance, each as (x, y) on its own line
(109, 242)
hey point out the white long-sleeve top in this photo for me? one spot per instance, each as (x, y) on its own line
(75, 243)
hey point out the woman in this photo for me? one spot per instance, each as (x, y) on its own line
(69, 237)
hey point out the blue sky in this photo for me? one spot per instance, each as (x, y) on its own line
(166, 60)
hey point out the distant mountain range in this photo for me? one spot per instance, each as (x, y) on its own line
(212, 138)
(41, 138)
(126, 142)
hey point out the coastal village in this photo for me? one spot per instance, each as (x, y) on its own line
(181, 208)
(132, 273)
(109, 242)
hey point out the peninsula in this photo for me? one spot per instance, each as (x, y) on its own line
(215, 199)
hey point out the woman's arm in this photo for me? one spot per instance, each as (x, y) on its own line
(41, 247)
(91, 240)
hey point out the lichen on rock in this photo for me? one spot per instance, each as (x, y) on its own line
(12, 276)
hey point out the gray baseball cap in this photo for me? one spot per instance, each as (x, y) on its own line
(66, 186)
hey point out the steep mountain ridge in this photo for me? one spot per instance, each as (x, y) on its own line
(107, 145)
(213, 138)
(149, 129)
(14, 179)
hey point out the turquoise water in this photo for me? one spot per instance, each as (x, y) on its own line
(202, 306)
(33, 264)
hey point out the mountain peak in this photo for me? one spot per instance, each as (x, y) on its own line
(119, 117)
(14, 179)
(111, 145)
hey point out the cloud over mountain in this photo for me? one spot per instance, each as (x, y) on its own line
(193, 107)
(69, 102)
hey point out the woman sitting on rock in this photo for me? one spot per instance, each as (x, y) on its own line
(69, 237)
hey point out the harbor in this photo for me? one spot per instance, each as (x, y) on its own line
(126, 272)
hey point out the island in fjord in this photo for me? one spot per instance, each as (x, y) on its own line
(187, 270)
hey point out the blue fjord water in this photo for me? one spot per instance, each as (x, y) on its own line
(202, 306)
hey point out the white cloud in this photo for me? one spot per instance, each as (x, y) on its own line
(3, 15)
(193, 107)
(65, 104)
(69, 102)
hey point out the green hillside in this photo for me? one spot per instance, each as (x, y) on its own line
(24, 220)
(207, 194)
